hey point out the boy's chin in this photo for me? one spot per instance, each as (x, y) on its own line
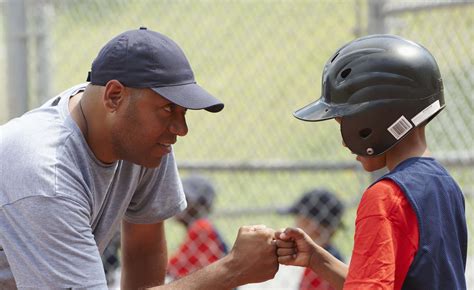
(372, 169)
(371, 164)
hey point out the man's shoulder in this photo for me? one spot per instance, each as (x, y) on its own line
(31, 136)
(29, 153)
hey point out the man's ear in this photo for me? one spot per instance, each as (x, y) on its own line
(113, 95)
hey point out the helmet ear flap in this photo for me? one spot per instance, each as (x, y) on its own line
(382, 124)
(367, 134)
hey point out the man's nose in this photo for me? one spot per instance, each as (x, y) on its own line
(178, 126)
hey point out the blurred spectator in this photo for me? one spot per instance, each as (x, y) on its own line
(111, 260)
(318, 212)
(203, 244)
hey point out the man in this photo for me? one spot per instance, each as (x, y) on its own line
(100, 155)
(203, 244)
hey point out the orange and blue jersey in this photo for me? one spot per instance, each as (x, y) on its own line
(411, 231)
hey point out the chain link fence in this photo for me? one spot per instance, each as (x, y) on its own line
(264, 59)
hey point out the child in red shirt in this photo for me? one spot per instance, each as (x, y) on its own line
(318, 212)
(203, 244)
(410, 227)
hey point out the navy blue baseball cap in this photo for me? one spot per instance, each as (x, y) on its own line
(319, 204)
(143, 58)
(199, 190)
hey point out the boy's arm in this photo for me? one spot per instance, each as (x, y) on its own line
(296, 248)
(252, 259)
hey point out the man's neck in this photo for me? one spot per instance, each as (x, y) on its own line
(83, 119)
(76, 114)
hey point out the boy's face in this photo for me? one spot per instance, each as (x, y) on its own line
(369, 163)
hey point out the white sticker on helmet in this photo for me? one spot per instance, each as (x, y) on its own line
(400, 127)
(426, 113)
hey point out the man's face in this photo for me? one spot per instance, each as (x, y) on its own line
(369, 163)
(146, 126)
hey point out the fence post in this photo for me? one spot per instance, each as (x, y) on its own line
(376, 25)
(376, 21)
(44, 11)
(17, 58)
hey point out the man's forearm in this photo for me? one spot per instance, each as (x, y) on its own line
(251, 260)
(217, 276)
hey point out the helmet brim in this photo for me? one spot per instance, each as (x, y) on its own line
(318, 111)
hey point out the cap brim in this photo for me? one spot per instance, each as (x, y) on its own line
(191, 96)
(317, 111)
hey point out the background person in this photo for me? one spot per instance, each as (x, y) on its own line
(203, 244)
(318, 213)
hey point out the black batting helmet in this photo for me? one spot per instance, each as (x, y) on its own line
(381, 86)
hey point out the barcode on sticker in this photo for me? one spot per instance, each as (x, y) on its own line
(400, 127)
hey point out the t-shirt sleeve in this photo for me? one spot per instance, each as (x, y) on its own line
(159, 194)
(385, 240)
(48, 249)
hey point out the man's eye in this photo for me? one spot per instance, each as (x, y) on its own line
(168, 108)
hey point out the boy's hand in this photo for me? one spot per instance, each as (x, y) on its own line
(294, 247)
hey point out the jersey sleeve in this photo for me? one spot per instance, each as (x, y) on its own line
(159, 195)
(385, 240)
(49, 244)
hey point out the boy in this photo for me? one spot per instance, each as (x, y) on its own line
(410, 226)
(318, 213)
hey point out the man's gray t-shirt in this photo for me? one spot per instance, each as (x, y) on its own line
(60, 205)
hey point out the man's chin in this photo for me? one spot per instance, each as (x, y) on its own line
(150, 163)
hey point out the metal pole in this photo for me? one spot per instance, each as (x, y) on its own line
(44, 13)
(358, 18)
(376, 21)
(17, 58)
(376, 25)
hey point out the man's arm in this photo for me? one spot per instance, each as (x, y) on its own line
(251, 260)
(144, 255)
